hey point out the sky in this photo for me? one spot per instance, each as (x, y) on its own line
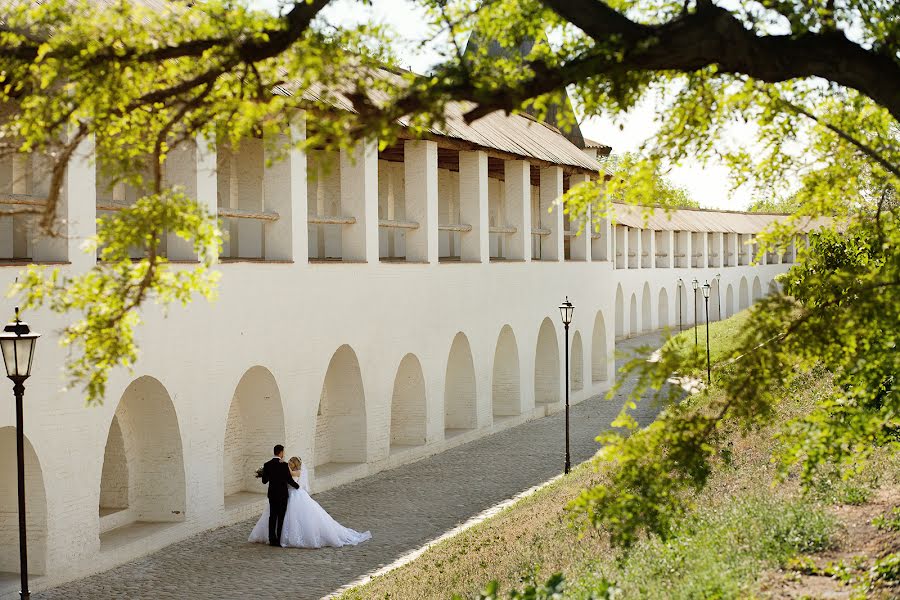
(708, 184)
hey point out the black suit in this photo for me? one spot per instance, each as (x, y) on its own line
(278, 475)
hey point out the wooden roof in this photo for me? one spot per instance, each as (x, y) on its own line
(702, 219)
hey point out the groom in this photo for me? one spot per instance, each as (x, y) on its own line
(277, 474)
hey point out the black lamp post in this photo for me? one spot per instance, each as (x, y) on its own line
(680, 308)
(708, 368)
(719, 293)
(696, 285)
(567, 309)
(17, 344)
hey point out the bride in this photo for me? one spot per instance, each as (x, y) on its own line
(306, 524)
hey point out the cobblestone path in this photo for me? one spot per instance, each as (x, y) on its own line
(404, 508)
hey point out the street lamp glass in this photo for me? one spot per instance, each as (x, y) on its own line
(695, 284)
(567, 310)
(706, 290)
(17, 344)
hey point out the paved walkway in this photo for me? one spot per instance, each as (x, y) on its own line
(404, 508)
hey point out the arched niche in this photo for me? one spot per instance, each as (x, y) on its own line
(408, 405)
(35, 507)
(662, 308)
(546, 365)
(743, 295)
(633, 327)
(576, 364)
(621, 332)
(505, 382)
(460, 400)
(646, 308)
(341, 420)
(729, 300)
(599, 352)
(143, 462)
(255, 423)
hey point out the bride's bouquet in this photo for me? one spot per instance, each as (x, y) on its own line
(259, 472)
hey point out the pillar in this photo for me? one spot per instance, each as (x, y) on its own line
(517, 191)
(580, 245)
(359, 198)
(720, 248)
(551, 189)
(421, 195)
(192, 166)
(78, 205)
(284, 192)
(473, 206)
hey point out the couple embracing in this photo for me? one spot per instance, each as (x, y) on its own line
(293, 519)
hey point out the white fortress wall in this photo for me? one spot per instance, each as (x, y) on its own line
(370, 313)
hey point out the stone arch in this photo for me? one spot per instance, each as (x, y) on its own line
(633, 316)
(143, 463)
(255, 423)
(662, 308)
(546, 365)
(576, 363)
(35, 507)
(729, 301)
(715, 300)
(620, 313)
(460, 408)
(341, 417)
(743, 295)
(646, 308)
(505, 388)
(774, 287)
(408, 404)
(599, 363)
(757, 289)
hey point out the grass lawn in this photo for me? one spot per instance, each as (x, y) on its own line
(723, 336)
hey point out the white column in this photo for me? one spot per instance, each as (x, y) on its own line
(551, 189)
(651, 247)
(704, 250)
(517, 191)
(473, 206)
(79, 205)
(249, 171)
(421, 196)
(284, 192)
(622, 234)
(689, 249)
(48, 248)
(192, 166)
(670, 250)
(639, 248)
(581, 244)
(720, 247)
(6, 222)
(359, 198)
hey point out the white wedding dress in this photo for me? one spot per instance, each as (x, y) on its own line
(306, 524)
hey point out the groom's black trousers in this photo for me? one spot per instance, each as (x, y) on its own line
(277, 508)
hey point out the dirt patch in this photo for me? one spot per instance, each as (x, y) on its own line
(843, 571)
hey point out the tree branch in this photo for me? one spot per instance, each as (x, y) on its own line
(709, 35)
